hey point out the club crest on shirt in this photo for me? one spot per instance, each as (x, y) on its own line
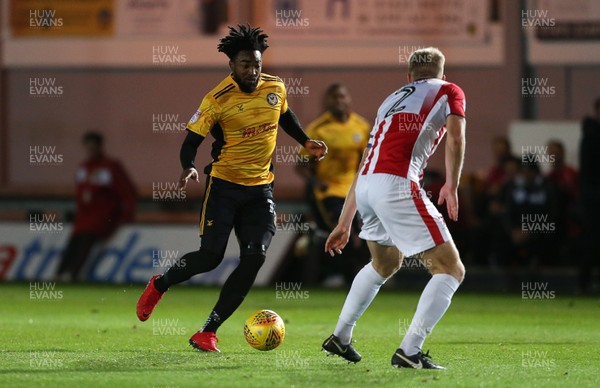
(272, 99)
(196, 116)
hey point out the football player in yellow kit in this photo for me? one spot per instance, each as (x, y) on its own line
(346, 134)
(242, 114)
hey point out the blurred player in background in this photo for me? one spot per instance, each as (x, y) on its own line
(242, 114)
(399, 220)
(346, 135)
(105, 200)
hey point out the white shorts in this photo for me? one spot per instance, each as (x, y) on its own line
(396, 211)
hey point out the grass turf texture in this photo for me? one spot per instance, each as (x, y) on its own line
(91, 337)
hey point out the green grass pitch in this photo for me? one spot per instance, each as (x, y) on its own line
(89, 336)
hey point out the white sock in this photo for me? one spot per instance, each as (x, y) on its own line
(365, 286)
(434, 302)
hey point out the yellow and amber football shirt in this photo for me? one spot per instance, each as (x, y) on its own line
(346, 142)
(244, 126)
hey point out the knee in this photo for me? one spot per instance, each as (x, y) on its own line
(455, 269)
(459, 271)
(253, 255)
(387, 268)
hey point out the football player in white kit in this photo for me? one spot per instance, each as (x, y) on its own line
(399, 220)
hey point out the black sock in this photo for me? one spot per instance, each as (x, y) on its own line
(189, 265)
(212, 323)
(161, 283)
(234, 291)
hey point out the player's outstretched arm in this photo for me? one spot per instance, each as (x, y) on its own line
(291, 125)
(455, 154)
(339, 237)
(187, 154)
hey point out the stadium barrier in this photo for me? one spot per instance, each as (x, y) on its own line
(30, 251)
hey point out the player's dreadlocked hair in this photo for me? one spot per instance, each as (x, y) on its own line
(245, 38)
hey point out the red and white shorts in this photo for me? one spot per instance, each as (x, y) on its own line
(396, 211)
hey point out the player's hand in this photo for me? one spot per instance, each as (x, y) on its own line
(337, 240)
(317, 148)
(449, 195)
(188, 173)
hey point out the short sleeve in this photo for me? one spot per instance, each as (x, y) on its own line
(284, 103)
(204, 118)
(456, 101)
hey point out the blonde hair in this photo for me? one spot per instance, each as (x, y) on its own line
(427, 62)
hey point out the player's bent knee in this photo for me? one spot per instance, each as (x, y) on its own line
(387, 268)
(459, 271)
(256, 260)
(247, 249)
(253, 254)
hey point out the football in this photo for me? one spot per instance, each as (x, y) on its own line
(264, 330)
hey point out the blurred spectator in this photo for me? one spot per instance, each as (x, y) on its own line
(346, 134)
(530, 217)
(501, 149)
(566, 184)
(589, 177)
(495, 229)
(564, 176)
(105, 200)
(486, 229)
